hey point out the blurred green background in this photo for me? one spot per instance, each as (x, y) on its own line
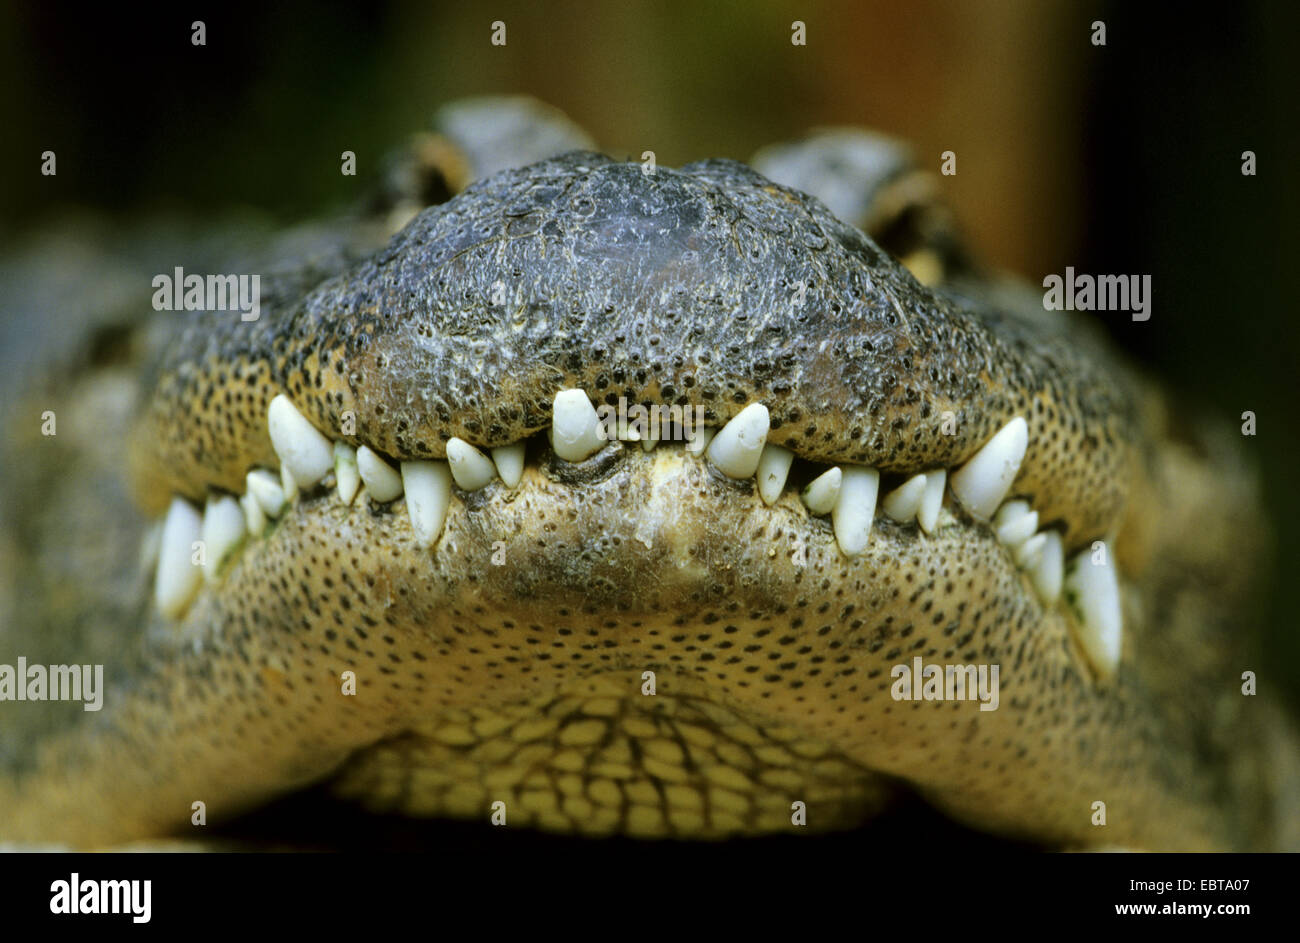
(1122, 158)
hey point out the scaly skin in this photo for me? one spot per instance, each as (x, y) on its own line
(506, 661)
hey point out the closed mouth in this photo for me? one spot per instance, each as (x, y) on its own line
(441, 374)
(837, 504)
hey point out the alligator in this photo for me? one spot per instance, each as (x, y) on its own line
(410, 534)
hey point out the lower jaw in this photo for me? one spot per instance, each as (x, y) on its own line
(658, 566)
(649, 545)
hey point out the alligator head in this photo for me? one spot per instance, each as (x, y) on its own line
(430, 573)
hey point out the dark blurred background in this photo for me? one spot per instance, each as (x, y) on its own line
(1122, 158)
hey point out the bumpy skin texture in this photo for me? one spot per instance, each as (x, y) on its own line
(520, 681)
(677, 288)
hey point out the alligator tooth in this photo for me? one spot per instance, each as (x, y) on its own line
(223, 529)
(177, 577)
(649, 443)
(309, 455)
(1015, 523)
(1092, 591)
(985, 479)
(823, 491)
(428, 495)
(266, 488)
(470, 467)
(932, 501)
(628, 431)
(904, 501)
(736, 449)
(254, 515)
(1010, 511)
(1030, 552)
(575, 427)
(855, 508)
(383, 484)
(773, 469)
(699, 440)
(287, 484)
(346, 475)
(509, 460)
(1047, 572)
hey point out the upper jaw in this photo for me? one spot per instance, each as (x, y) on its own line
(678, 288)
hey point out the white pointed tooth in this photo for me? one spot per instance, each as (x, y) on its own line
(649, 443)
(737, 447)
(1010, 511)
(509, 460)
(855, 508)
(628, 431)
(699, 438)
(1030, 552)
(823, 491)
(254, 515)
(575, 428)
(287, 484)
(773, 469)
(428, 495)
(223, 529)
(267, 490)
(903, 503)
(1092, 590)
(177, 577)
(383, 483)
(309, 455)
(1015, 523)
(470, 467)
(985, 479)
(346, 474)
(1046, 574)
(932, 501)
